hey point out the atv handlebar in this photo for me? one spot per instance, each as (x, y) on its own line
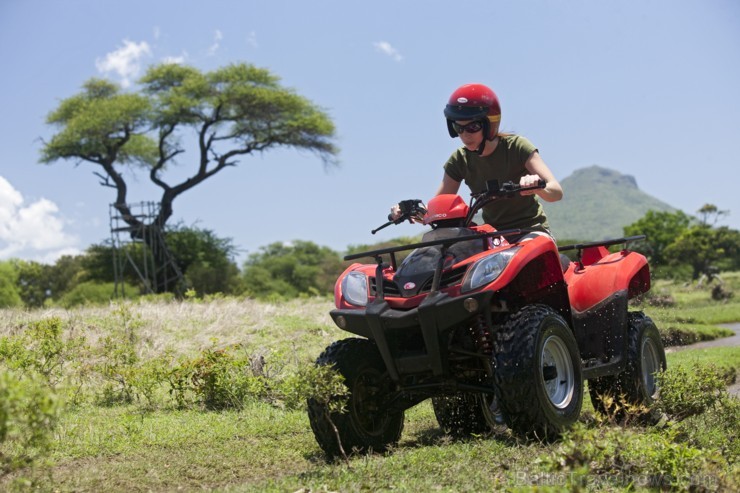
(508, 189)
(412, 209)
(493, 192)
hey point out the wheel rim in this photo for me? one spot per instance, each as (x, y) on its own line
(650, 366)
(491, 410)
(557, 372)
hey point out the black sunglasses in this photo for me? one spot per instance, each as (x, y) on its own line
(471, 127)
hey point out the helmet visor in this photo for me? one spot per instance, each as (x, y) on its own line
(465, 112)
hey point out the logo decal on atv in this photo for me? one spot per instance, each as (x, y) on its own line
(409, 285)
(462, 100)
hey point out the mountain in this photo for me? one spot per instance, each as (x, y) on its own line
(597, 203)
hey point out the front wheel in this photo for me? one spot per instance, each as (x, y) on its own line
(366, 425)
(538, 373)
(635, 390)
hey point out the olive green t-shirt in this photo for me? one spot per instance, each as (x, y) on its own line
(506, 163)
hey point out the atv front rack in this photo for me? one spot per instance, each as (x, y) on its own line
(445, 243)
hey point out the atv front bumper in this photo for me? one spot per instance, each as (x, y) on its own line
(432, 319)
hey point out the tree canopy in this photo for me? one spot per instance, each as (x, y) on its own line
(289, 270)
(675, 239)
(661, 229)
(228, 113)
(231, 112)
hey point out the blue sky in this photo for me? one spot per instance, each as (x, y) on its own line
(649, 88)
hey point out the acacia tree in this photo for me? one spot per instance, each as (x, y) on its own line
(230, 112)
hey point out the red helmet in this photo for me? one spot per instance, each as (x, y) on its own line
(473, 102)
(444, 207)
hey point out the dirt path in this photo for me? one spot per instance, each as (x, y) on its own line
(734, 389)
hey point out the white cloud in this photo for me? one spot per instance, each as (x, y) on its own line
(252, 39)
(34, 231)
(176, 59)
(125, 61)
(387, 49)
(217, 37)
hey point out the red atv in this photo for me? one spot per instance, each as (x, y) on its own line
(493, 331)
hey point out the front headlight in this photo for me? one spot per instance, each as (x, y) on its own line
(354, 288)
(487, 269)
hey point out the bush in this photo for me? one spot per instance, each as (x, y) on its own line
(289, 270)
(40, 349)
(120, 358)
(219, 379)
(91, 293)
(690, 391)
(617, 459)
(28, 415)
(228, 378)
(321, 383)
(9, 296)
(718, 428)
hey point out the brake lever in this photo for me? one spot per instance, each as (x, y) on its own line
(410, 209)
(381, 227)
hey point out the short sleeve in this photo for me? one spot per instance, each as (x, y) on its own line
(523, 148)
(455, 166)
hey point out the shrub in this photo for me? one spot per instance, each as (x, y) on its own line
(119, 358)
(91, 293)
(320, 383)
(41, 349)
(610, 459)
(690, 391)
(28, 415)
(717, 428)
(9, 296)
(228, 378)
(218, 379)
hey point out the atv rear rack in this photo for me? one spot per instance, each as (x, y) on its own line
(605, 243)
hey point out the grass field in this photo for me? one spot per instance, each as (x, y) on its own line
(119, 422)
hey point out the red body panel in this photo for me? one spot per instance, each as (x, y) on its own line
(604, 274)
(597, 277)
(529, 251)
(445, 206)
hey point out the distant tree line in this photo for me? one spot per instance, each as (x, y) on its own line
(678, 246)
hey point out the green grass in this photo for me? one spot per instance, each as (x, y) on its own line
(152, 445)
(723, 356)
(693, 315)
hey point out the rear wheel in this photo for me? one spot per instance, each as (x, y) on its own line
(538, 373)
(634, 391)
(366, 425)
